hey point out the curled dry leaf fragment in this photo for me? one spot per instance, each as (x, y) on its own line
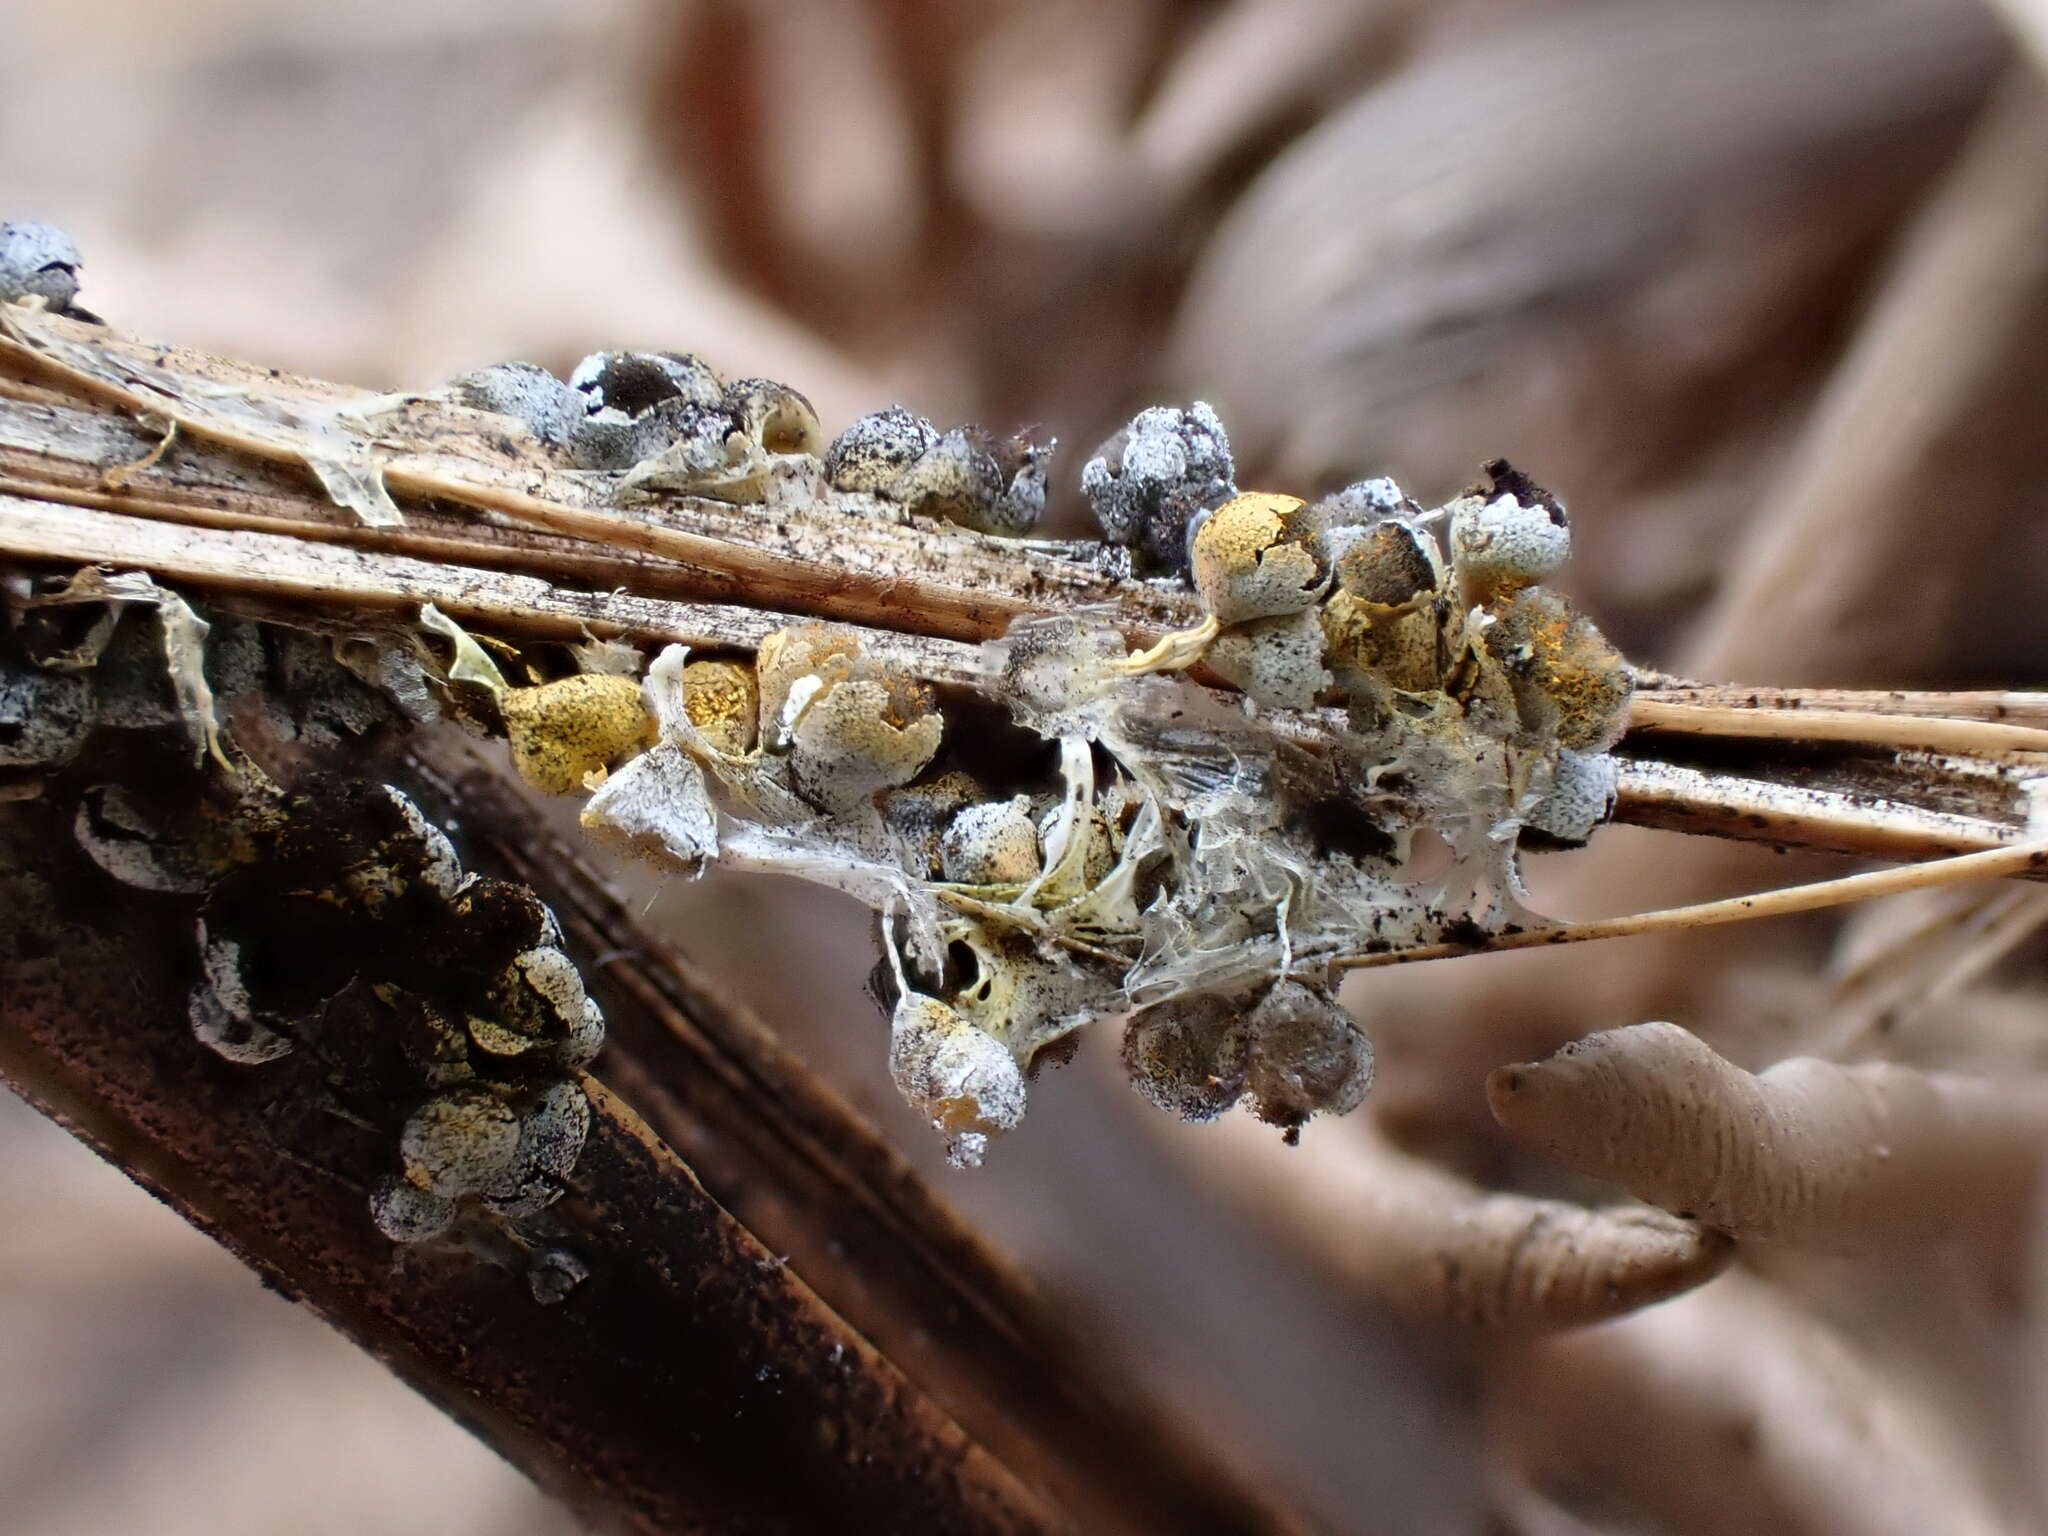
(1736, 1408)
(472, 663)
(1435, 1247)
(1851, 1159)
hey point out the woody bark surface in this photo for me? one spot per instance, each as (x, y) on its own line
(694, 1373)
(689, 1382)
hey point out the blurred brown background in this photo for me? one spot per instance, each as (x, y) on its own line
(1683, 261)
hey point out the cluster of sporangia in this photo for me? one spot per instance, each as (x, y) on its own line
(333, 925)
(1177, 855)
(353, 933)
(1174, 852)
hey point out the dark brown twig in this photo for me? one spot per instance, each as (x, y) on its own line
(689, 1382)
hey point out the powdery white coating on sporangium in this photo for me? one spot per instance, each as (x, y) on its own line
(636, 382)
(991, 844)
(437, 865)
(1151, 482)
(585, 1037)
(953, 479)
(964, 1080)
(1277, 662)
(1507, 535)
(541, 996)
(872, 453)
(459, 1142)
(966, 477)
(636, 404)
(1257, 556)
(1363, 502)
(1028, 461)
(405, 1213)
(552, 1128)
(37, 261)
(1581, 797)
(526, 392)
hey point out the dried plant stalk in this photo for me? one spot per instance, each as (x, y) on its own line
(1994, 704)
(1675, 798)
(957, 584)
(2025, 858)
(524, 557)
(1869, 727)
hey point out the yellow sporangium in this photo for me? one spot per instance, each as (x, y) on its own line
(565, 730)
